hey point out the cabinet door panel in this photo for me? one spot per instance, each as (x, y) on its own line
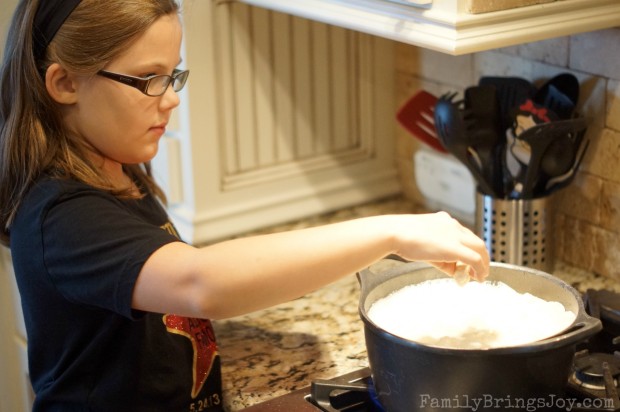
(283, 118)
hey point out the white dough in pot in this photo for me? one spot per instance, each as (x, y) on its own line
(476, 315)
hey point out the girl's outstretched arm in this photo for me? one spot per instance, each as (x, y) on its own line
(246, 274)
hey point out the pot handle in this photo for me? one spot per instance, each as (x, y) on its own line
(385, 269)
(583, 327)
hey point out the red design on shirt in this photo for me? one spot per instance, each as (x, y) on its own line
(200, 333)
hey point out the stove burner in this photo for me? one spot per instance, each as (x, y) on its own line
(349, 393)
(596, 370)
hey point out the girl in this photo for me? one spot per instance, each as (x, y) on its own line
(116, 306)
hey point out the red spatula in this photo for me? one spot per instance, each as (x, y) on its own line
(417, 116)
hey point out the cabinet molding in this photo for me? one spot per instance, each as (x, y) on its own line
(447, 26)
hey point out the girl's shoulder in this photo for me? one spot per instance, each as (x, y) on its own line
(63, 206)
(47, 186)
(49, 190)
(70, 197)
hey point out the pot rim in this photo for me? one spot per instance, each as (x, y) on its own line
(582, 327)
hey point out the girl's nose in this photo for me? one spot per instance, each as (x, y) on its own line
(170, 99)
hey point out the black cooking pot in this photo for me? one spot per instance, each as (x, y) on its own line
(410, 376)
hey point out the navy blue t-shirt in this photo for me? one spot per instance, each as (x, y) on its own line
(77, 252)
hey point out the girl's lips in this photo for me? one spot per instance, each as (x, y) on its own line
(159, 128)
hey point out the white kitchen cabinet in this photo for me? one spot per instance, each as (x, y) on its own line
(449, 27)
(15, 389)
(282, 118)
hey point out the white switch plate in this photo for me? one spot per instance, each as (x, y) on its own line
(446, 184)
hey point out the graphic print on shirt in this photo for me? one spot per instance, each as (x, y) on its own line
(169, 227)
(200, 333)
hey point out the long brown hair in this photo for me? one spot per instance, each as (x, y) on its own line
(33, 138)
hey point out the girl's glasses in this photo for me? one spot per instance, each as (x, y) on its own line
(152, 85)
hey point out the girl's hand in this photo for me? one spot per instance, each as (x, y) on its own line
(442, 241)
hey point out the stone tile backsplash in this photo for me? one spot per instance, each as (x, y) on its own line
(586, 226)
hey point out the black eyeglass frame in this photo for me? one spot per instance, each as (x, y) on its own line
(143, 83)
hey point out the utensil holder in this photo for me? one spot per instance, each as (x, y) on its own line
(516, 231)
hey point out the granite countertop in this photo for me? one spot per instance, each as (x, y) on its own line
(275, 351)
(272, 352)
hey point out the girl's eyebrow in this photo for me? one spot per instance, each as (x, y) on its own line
(148, 67)
(157, 65)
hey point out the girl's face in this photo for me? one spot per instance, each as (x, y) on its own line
(121, 123)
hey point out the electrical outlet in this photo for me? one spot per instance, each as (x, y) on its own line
(445, 183)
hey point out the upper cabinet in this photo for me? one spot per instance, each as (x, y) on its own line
(457, 26)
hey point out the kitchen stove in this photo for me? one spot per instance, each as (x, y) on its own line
(352, 392)
(592, 385)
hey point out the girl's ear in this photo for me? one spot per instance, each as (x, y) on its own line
(60, 84)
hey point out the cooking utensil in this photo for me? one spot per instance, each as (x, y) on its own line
(539, 138)
(559, 159)
(561, 181)
(407, 373)
(511, 92)
(484, 132)
(417, 116)
(451, 129)
(560, 95)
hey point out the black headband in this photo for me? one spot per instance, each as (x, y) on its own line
(51, 14)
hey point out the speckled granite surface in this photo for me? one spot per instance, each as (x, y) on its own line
(275, 351)
(320, 336)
